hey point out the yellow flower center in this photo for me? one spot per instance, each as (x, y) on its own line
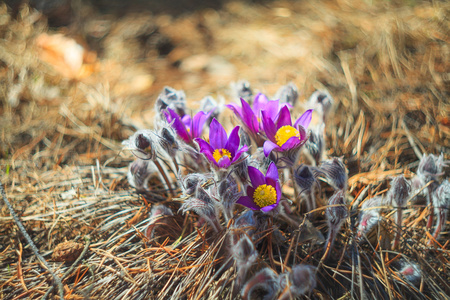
(265, 195)
(219, 153)
(285, 133)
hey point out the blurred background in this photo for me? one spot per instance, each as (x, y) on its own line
(90, 70)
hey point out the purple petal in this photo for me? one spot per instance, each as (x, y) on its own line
(206, 149)
(260, 102)
(250, 191)
(256, 177)
(304, 119)
(269, 127)
(236, 109)
(269, 207)
(224, 162)
(247, 202)
(283, 118)
(268, 147)
(248, 117)
(272, 109)
(239, 153)
(179, 126)
(198, 123)
(272, 171)
(233, 141)
(303, 133)
(217, 135)
(290, 143)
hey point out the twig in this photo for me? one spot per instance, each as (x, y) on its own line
(72, 267)
(22, 229)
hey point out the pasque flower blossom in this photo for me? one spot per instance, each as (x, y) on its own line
(251, 117)
(265, 192)
(186, 127)
(221, 151)
(281, 135)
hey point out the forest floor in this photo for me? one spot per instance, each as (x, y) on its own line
(77, 80)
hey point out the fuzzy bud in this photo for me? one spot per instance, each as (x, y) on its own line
(244, 254)
(263, 285)
(369, 215)
(139, 172)
(204, 206)
(399, 191)
(411, 272)
(300, 281)
(304, 178)
(243, 90)
(441, 203)
(190, 182)
(168, 141)
(173, 99)
(315, 145)
(288, 94)
(141, 144)
(336, 213)
(335, 172)
(322, 102)
(157, 215)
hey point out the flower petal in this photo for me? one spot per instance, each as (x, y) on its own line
(238, 154)
(247, 202)
(178, 125)
(236, 109)
(259, 103)
(268, 147)
(272, 171)
(217, 135)
(290, 143)
(224, 162)
(269, 207)
(233, 141)
(269, 126)
(197, 124)
(304, 119)
(206, 149)
(256, 177)
(248, 117)
(272, 109)
(283, 118)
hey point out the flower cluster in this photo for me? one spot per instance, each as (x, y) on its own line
(252, 180)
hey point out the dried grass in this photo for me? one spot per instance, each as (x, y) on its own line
(386, 65)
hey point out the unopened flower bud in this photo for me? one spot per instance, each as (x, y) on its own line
(263, 285)
(243, 90)
(288, 94)
(369, 215)
(322, 102)
(168, 141)
(399, 191)
(141, 144)
(411, 272)
(173, 99)
(335, 172)
(315, 145)
(157, 216)
(300, 281)
(139, 172)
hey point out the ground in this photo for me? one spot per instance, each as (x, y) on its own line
(78, 79)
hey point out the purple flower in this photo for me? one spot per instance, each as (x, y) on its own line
(186, 127)
(221, 151)
(265, 192)
(282, 136)
(251, 117)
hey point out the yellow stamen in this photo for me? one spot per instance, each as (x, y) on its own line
(219, 153)
(265, 195)
(285, 133)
